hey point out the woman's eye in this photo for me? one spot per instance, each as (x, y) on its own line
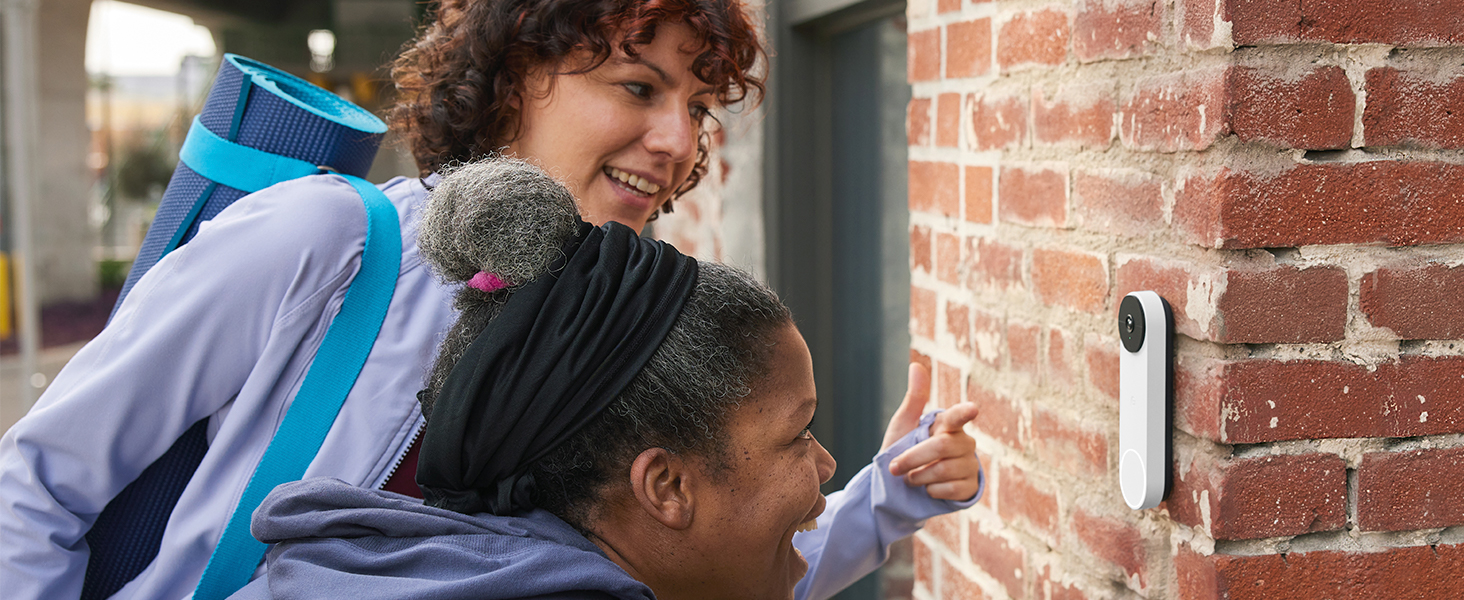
(807, 433)
(639, 90)
(699, 112)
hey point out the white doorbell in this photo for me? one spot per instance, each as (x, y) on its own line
(1145, 390)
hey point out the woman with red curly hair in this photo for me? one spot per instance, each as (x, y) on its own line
(611, 97)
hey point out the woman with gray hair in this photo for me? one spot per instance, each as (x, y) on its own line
(607, 418)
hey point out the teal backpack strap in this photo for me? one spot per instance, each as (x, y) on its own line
(332, 374)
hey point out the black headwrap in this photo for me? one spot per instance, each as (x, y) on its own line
(563, 347)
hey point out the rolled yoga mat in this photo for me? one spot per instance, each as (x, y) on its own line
(258, 106)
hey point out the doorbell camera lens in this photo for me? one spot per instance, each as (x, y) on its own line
(1131, 324)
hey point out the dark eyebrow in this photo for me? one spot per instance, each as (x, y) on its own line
(660, 73)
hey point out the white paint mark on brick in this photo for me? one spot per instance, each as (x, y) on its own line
(1273, 422)
(1202, 295)
(1423, 417)
(1205, 509)
(988, 346)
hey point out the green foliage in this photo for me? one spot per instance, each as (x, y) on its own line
(112, 273)
(144, 167)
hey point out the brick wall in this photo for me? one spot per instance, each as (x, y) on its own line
(1289, 176)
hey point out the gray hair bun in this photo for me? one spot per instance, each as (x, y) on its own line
(499, 215)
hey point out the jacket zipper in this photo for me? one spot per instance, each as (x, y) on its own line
(402, 457)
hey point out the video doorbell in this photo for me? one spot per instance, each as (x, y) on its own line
(1146, 390)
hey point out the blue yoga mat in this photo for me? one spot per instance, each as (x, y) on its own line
(259, 106)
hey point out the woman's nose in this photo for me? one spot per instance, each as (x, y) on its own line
(672, 132)
(826, 463)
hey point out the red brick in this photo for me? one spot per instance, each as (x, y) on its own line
(1059, 370)
(1262, 307)
(1420, 302)
(968, 48)
(1416, 22)
(1396, 203)
(935, 188)
(1262, 497)
(1082, 119)
(1106, 29)
(1068, 446)
(924, 564)
(1312, 111)
(922, 312)
(1123, 202)
(978, 194)
(1077, 280)
(917, 128)
(958, 324)
(1413, 109)
(947, 528)
(948, 258)
(1114, 541)
(1048, 588)
(1037, 37)
(1197, 21)
(948, 120)
(1175, 112)
(1262, 400)
(1411, 490)
(1101, 356)
(1195, 575)
(956, 586)
(996, 264)
(1175, 281)
(1022, 347)
(945, 6)
(1249, 304)
(999, 559)
(988, 334)
(997, 122)
(924, 55)
(1033, 197)
(1410, 573)
(921, 258)
(999, 417)
(1019, 499)
(948, 385)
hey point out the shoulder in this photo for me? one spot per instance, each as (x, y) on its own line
(319, 215)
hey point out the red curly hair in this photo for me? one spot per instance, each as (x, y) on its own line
(456, 82)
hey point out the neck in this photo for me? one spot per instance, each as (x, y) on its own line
(650, 569)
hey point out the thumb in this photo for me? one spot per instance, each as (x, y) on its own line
(907, 416)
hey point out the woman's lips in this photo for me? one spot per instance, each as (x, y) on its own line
(633, 181)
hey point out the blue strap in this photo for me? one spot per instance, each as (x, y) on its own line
(332, 374)
(221, 161)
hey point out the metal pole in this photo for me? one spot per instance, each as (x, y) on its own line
(21, 102)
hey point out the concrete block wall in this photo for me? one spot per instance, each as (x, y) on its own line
(1289, 176)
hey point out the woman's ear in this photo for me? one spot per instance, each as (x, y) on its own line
(662, 484)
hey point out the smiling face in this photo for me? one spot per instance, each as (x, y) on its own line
(770, 488)
(623, 136)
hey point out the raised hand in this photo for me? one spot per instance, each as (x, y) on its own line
(945, 464)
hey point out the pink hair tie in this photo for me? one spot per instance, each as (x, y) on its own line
(487, 282)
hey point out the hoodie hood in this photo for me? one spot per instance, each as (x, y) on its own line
(334, 539)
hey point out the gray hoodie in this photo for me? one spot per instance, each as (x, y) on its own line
(336, 540)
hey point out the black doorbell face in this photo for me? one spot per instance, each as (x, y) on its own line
(1131, 324)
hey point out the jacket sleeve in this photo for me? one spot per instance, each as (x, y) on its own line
(860, 522)
(177, 351)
